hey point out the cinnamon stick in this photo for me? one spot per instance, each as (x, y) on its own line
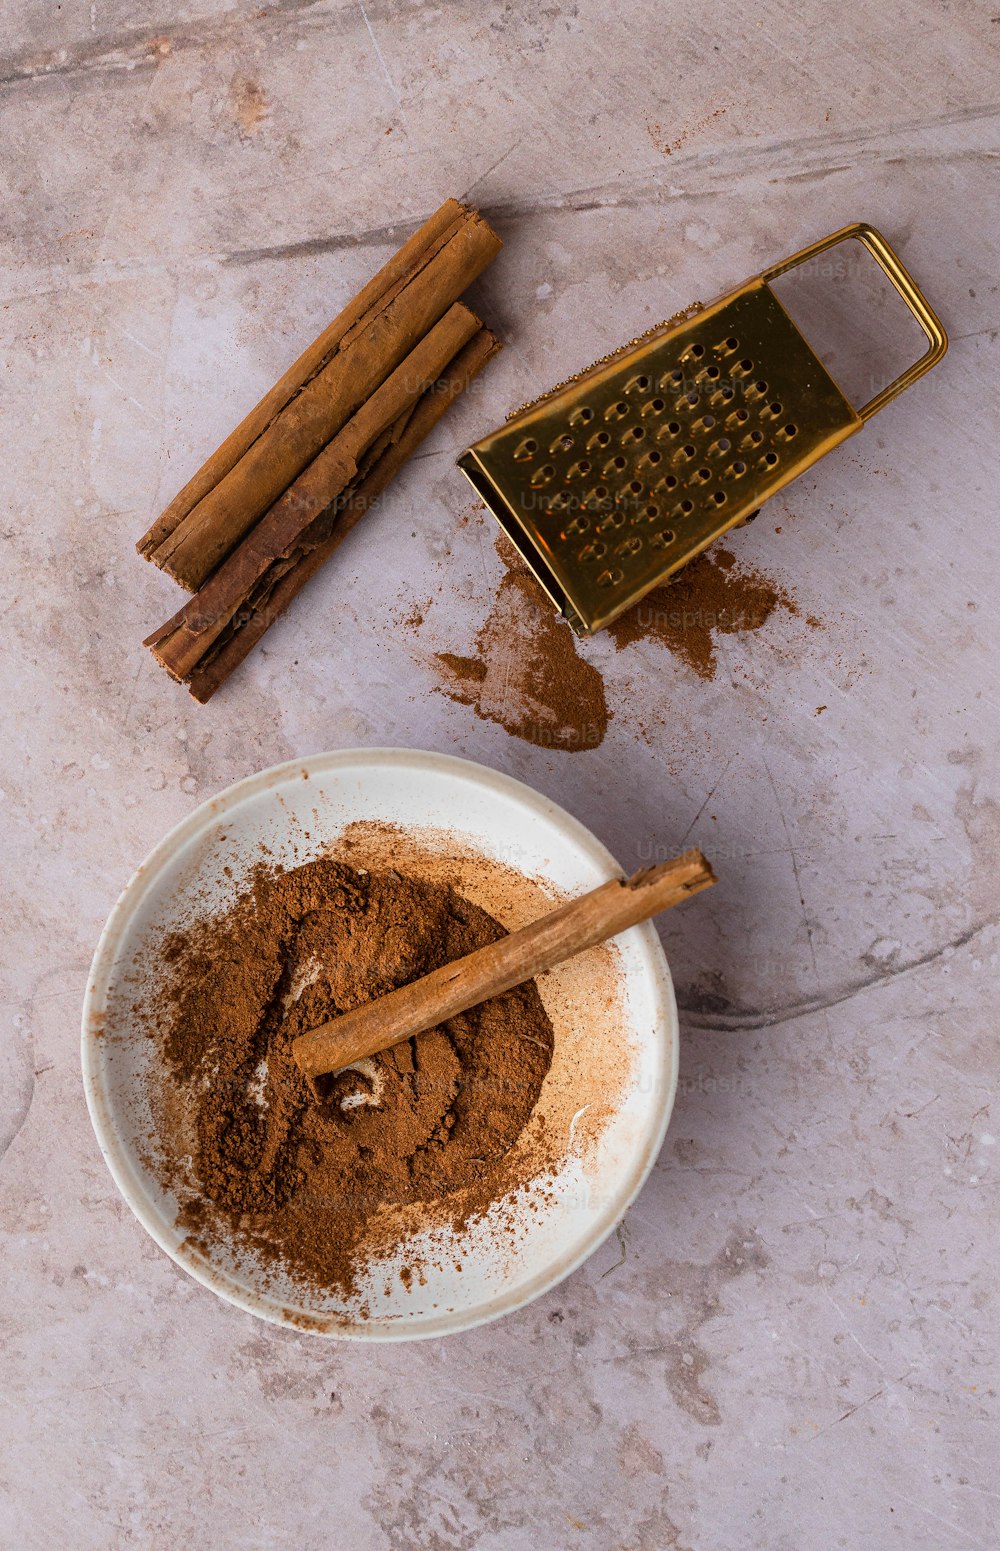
(253, 588)
(413, 252)
(319, 394)
(446, 992)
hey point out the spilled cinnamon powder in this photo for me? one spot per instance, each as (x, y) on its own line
(527, 674)
(710, 597)
(306, 1185)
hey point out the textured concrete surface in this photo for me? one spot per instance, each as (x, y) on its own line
(793, 1344)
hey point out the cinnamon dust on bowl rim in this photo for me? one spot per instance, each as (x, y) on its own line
(408, 1150)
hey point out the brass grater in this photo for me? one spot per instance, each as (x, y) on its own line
(608, 485)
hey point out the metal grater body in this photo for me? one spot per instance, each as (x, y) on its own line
(609, 485)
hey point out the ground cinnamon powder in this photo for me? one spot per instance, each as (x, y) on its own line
(301, 1182)
(714, 595)
(527, 674)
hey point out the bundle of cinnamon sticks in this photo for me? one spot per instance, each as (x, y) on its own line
(286, 487)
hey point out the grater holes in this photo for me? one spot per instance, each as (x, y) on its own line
(786, 433)
(703, 476)
(562, 443)
(673, 379)
(526, 449)
(543, 475)
(746, 365)
(582, 416)
(577, 470)
(687, 507)
(756, 437)
(719, 497)
(634, 434)
(635, 487)
(610, 576)
(638, 384)
(576, 525)
(596, 497)
(560, 501)
(614, 466)
(650, 459)
(594, 551)
(728, 346)
(616, 411)
(630, 546)
(712, 373)
(663, 539)
(600, 439)
(614, 520)
(668, 482)
(770, 458)
(697, 351)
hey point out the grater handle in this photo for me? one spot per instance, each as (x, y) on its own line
(889, 262)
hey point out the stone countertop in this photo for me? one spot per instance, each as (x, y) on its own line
(791, 1344)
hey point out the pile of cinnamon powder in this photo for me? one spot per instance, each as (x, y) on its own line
(306, 1184)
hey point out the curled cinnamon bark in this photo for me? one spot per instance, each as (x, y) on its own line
(319, 394)
(214, 631)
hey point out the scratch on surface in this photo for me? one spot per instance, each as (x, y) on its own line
(773, 1017)
(948, 1524)
(622, 1235)
(705, 804)
(848, 1331)
(131, 698)
(837, 1420)
(795, 872)
(380, 56)
(490, 170)
(119, 328)
(127, 395)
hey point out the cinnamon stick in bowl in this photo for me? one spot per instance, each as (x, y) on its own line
(317, 396)
(561, 934)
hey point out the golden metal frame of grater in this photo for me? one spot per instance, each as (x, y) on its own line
(607, 486)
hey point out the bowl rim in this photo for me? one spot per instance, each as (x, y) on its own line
(100, 977)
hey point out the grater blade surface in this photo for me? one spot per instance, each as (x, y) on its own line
(608, 486)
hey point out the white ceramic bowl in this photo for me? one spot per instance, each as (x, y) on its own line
(299, 810)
